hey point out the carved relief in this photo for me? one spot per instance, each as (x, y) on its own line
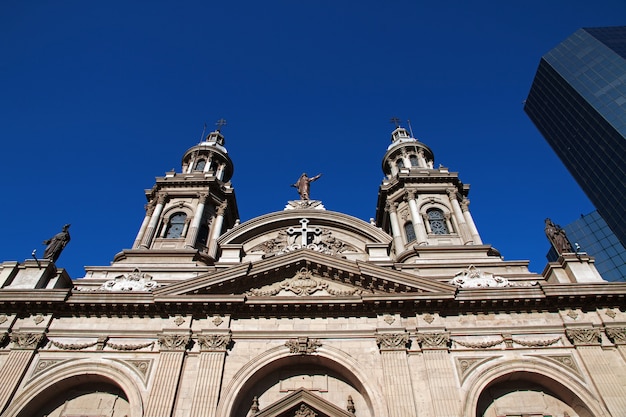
(179, 320)
(174, 341)
(304, 284)
(566, 361)
(73, 346)
(135, 281)
(429, 318)
(392, 341)
(610, 313)
(617, 335)
(473, 277)
(38, 319)
(478, 345)
(434, 340)
(304, 411)
(141, 366)
(27, 340)
(572, 314)
(129, 347)
(217, 321)
(46, 364)
(214, 342)
(389, 319)
(584, 336)
(303, 345)
(465, 365)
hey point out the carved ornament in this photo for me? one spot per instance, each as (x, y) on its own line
(142, 366)
(27, 340)
(129, 347)
(217, 321)
(434, 340)
(303, 345)
(45, 364)
(174, 341)
(38, 319)
(465, 365)
(179, 320)
(473, 277)
(304, 284)
(429, 318)
(389, 319)
(392, 341)
(585, 336)
(304, 411)
(478, 345)
(214, 342)
(617, 335)
(3, 318)
(135, 281)
(611, 313)
(72, 346)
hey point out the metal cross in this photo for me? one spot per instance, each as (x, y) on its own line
(304, 230)
(395, 121)
(220, 123)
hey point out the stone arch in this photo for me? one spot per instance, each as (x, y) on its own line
(331, 358)
(554, 381)
(67, 376)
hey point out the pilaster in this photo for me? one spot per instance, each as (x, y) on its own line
(398, 386)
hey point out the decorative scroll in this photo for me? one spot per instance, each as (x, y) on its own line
(433, 340)
(392, 341)
(27, 340)
(129, 347)
(174, 341)
(585, 336)
(214, 342)
(617, 335)
(304, 284)
(473, 277)
(303, 345)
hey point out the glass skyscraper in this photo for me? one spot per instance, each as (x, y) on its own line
(578, 103)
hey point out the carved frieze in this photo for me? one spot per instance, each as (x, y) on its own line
(304, 284)
(617, 335)
(214, 342)
(434, 340)
(135, 281)
(174, 341)
(473, 277)
(392, 341)
(482, 344)
(72, 346)
(129, 347)
(304, 411)
(25, 340)
(303, 345)
(584, 336)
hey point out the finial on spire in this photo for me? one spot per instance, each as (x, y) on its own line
(220, 123)
(395, 121)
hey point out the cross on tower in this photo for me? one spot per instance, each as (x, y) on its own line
(395, 121)
(220, 123)
(304, 231)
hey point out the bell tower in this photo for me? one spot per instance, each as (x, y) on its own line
(421, 206)
(188, 210)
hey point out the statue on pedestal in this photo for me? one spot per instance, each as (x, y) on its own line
(56, 244)
(304, 185)
(556, 235)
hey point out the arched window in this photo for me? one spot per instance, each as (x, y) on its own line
(200, 164)
(400, 163)
(175, 226)
(437, 222)
(413, 160)
(409, 231)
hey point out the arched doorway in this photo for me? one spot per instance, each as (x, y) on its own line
(529, 394)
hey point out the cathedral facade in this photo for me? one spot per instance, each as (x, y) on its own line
(308, 312)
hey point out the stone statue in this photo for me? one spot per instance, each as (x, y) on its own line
(56, 244)
(304, 185)
(556, 235)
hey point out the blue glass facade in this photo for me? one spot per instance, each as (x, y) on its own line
(578, 103)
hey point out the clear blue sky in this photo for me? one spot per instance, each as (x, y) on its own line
(98, 98)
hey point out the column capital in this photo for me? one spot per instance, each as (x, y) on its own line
(217, 342)
(617, 335)
(410, 195)
(439, 340)
(587, 336)
(392, 341)
(177, 342)
(452, 193)
(27, 340)
(149, 208)
(465, 204)
(221, 208)
(391, 207)
(161, 198)
(202, 197)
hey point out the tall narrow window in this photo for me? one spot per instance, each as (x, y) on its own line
(409, 231)
(437, 222)
(175, 226)
(200, 164)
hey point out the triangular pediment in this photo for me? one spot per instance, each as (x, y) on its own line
(302, 403)
(305, 273)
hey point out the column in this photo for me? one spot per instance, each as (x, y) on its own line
(217, 229)
(154, 220)
(398, 243)
(458, 215)
(605, 367)
(470, 221)
(167, 375)
(418, 225)
(209, 161)
(212, 356)
(398, 386)
(17, 362)
(149, 210)
(190, 242)
(192, 161)
(441, 376)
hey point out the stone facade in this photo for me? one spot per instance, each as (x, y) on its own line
(309, 312)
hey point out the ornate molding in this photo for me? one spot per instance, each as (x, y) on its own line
(214, 342)
(304, 284)
(303, 345)
(72, 346)
(434, 340)
(392, 341)
(617, 335)
(129, 347)
(478, 345)
(584, 336)
(24, 340)
(473, 277)
(537, 343)
(174, 341)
